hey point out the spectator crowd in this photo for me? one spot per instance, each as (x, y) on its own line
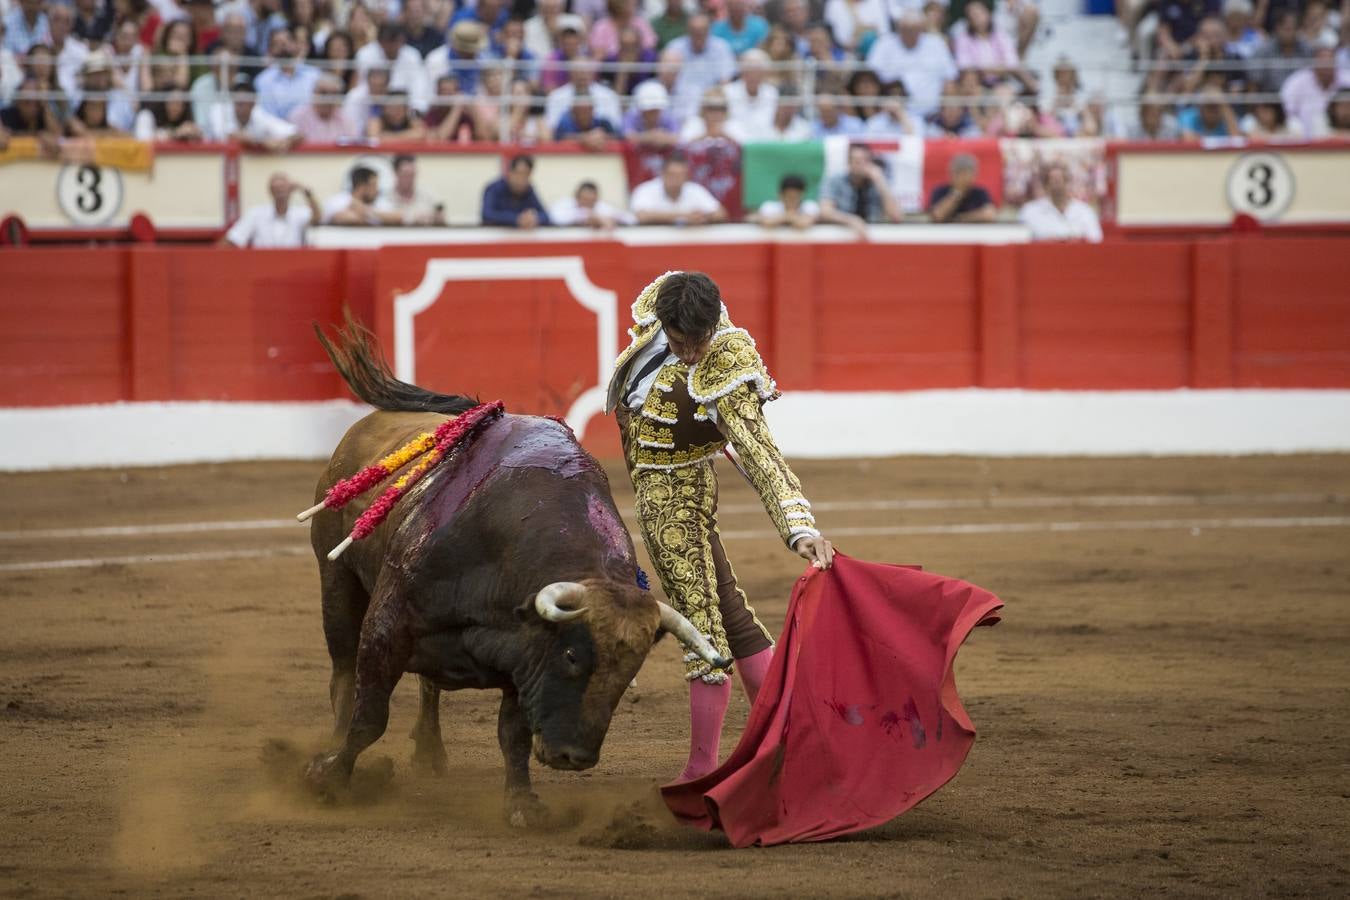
(684, 82)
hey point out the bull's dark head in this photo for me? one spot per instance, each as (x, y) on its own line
(597, 635)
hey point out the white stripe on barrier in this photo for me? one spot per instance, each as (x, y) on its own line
(859, 531)
(967, 421)
(202, 556)
(1087, 501)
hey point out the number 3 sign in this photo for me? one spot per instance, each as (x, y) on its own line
(1261, 185)
(88, 194)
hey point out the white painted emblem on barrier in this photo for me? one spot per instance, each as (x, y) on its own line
(571, 270)
(88, 194)
(1260, 185)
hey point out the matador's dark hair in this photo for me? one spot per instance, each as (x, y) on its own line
(690, 303)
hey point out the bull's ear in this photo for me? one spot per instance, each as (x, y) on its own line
(660, 633)
(525, 611)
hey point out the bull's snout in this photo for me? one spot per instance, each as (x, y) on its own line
(567, 757)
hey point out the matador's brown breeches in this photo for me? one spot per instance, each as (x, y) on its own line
(677, 514)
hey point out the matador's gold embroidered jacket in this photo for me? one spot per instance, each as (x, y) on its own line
(673, 429)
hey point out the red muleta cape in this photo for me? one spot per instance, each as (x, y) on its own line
(858, 719)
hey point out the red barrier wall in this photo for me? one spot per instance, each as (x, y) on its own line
(161, 323)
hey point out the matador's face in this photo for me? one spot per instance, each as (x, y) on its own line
(689, 350)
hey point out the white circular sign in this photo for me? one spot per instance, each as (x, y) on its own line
(89, 194)
(1260, 185)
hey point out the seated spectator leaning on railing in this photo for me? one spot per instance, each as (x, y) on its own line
(672, 199)
(357, 206)
(412, 206)
(510, 201)
(962, 200)
(1057, 216)
(791, 208)
(859, 195)
(586, 208)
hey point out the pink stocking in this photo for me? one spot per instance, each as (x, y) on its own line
(707, 707)
(753, 669)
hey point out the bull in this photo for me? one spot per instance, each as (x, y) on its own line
(507, 568)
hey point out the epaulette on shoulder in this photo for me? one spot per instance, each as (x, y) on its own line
(732, 360)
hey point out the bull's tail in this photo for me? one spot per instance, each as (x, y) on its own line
(361, 364)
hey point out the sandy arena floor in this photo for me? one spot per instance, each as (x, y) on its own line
(1163, 710)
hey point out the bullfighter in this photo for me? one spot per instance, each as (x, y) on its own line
(689, 384)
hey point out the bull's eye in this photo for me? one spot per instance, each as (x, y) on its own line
(571, 655)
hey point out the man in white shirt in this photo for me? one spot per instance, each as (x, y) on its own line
(1058, 216)
(244, 120)
(673, 199)
(751, 100)
(918, 58)
(586, 208)
(581, 79)
(406, 69)
(279, 224)
(70, 50)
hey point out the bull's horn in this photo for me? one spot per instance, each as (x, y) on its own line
(688, 635)
(547, 601)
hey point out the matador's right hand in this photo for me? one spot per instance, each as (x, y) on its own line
(816, 550)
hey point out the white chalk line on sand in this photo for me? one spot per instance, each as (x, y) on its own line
(1193, 525)
(201, 556)
(1092, 501)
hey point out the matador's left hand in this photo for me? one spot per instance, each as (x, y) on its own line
(817, 550)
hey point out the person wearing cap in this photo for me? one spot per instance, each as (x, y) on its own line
(96, 77)
(920, 59)
(1244, 38)
(961, 201)
(582, 80)
(510, 201)
(244, 120)
(585, 208)
(649, 123)
(489, 15)
(541, 29)
(280, 224)
(460, 57)
(406, 71)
